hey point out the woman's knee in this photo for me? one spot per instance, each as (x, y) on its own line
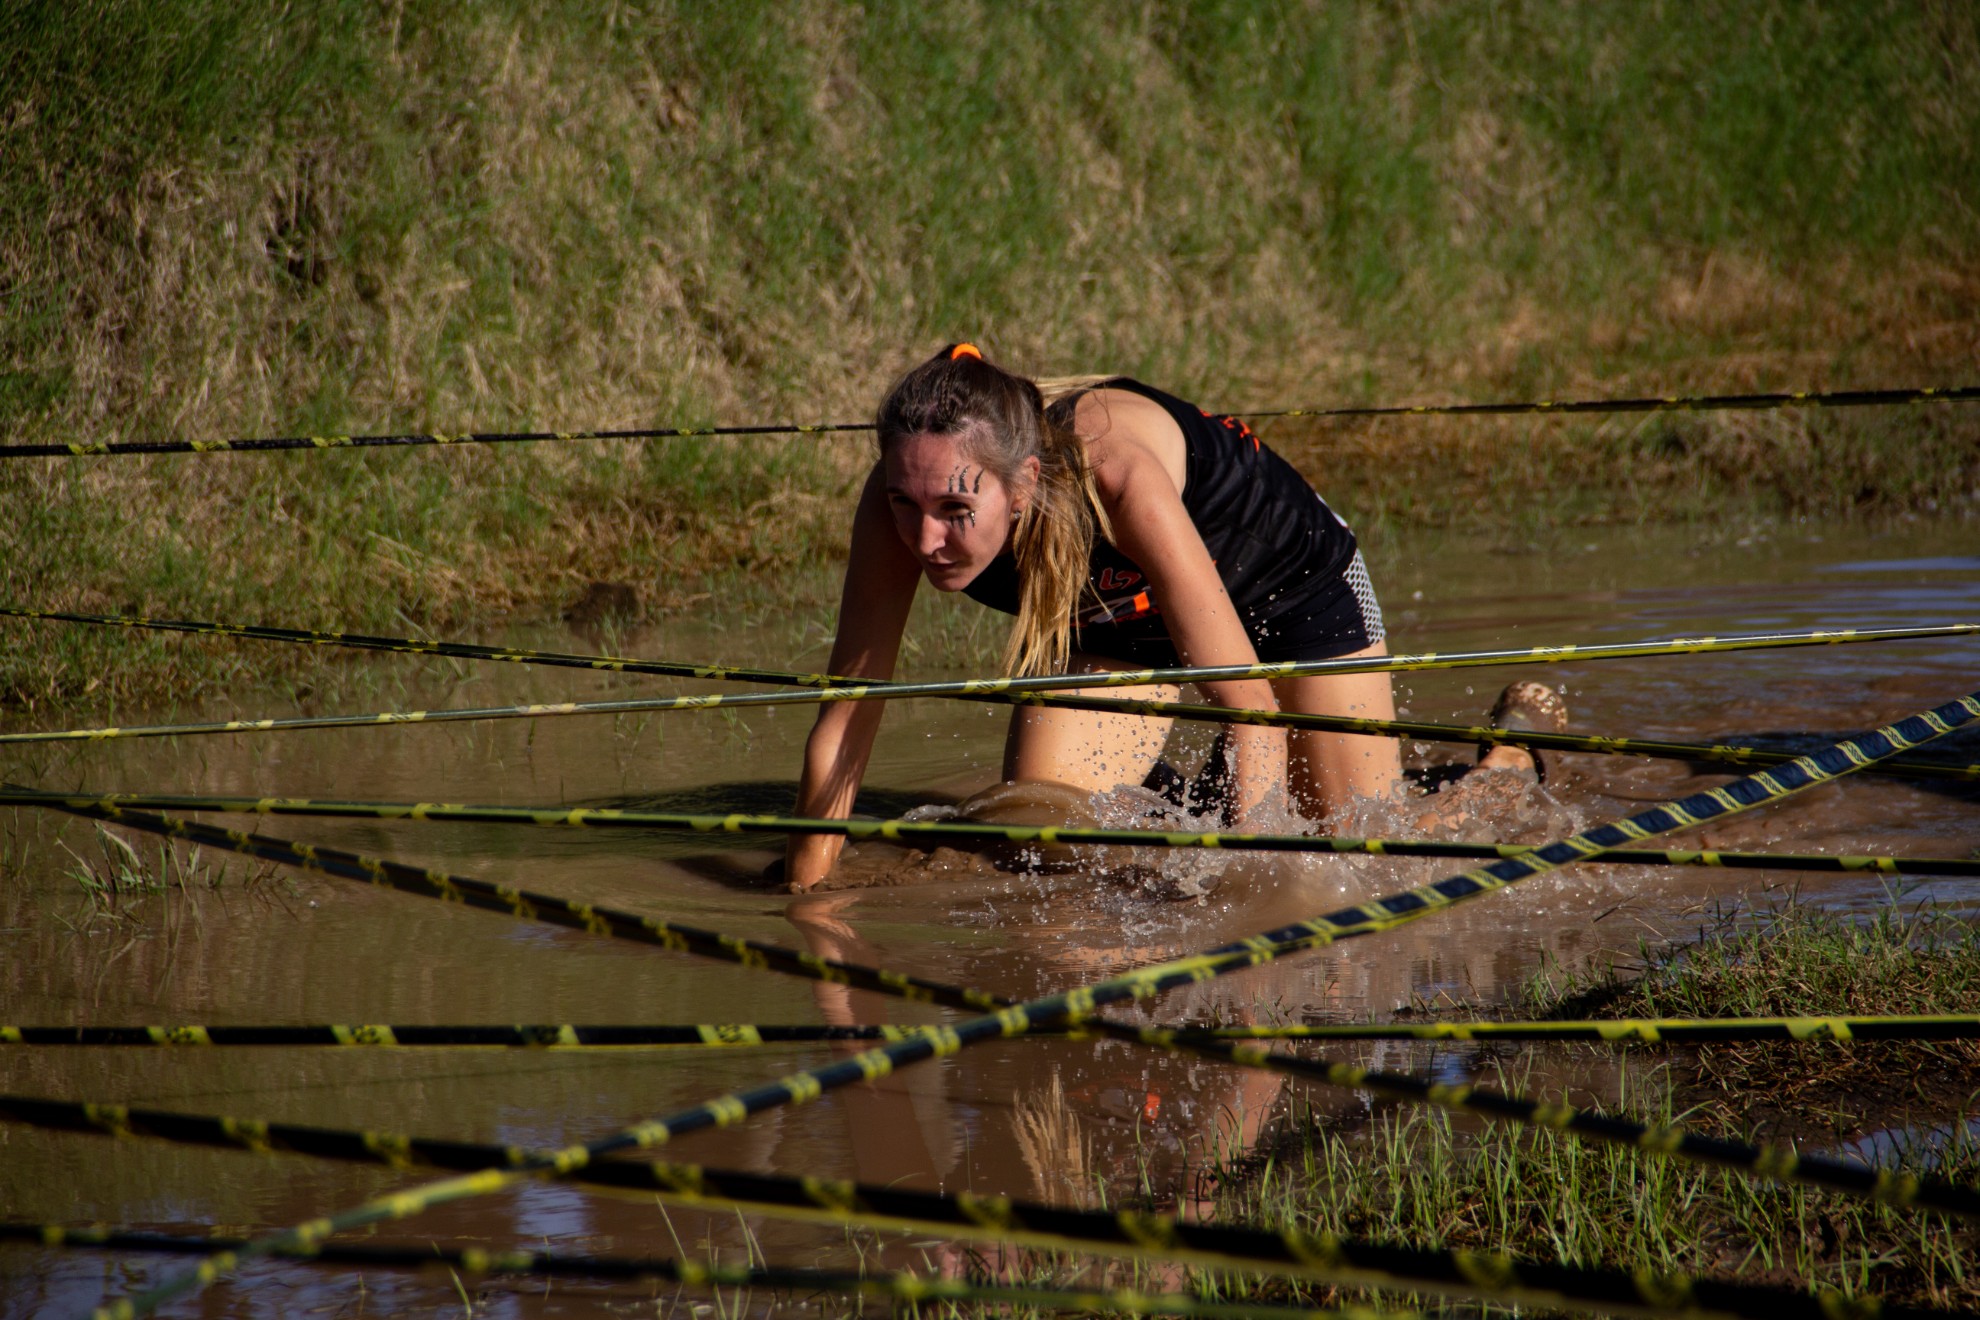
(1087, 748)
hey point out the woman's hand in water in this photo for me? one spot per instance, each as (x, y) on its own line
(808, 858)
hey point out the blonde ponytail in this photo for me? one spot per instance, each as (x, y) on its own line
(1053, 388)
(1054, 544)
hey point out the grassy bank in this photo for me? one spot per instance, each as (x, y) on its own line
(1414, 1175)
(434, 215)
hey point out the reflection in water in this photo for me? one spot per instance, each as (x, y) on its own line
(1059, 1119)
(1917, 1148)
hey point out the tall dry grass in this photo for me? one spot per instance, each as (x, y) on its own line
(427, 214)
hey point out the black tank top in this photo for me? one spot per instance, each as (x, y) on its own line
(1276, 544)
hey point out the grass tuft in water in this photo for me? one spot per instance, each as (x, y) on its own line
(119, 874)
(1797, 961)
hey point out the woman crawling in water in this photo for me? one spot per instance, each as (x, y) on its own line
(1126, 529)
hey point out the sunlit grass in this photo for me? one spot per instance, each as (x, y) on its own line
(217, 221)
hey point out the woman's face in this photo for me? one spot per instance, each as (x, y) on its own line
(952, 513)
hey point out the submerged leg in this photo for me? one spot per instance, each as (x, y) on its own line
(1329, 770)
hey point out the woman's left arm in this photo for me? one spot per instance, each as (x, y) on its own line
(1152, 527)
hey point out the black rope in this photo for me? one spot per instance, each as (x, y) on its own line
(1647, 404)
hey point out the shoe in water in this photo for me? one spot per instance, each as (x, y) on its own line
(1529, 707)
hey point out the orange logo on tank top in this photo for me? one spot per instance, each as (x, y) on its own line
(1236, 425)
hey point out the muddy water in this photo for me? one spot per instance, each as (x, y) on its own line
(263, 946)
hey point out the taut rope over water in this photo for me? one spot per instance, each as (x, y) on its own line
(976, 687)
(933, 832)
(1477, 735)
(1910, 1027)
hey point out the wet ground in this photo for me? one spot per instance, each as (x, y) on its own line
(266, 946)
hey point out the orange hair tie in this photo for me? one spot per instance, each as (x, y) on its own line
(965, 350)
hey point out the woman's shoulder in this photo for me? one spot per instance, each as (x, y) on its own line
(1126, 426)
(1111, 403)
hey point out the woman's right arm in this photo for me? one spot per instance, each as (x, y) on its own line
(881, 576)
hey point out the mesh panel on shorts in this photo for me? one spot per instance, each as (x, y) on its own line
(1364, 595)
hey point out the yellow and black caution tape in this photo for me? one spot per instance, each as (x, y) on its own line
(1658, 403)
(1081, 1004)
(1905, 1027)
(1505, 1107)
(551, 1036)
(535, 905)
(902, 1287)
(1765, 1162)
(1352, 922)
(934, 832)
(869, 689)
(1476, 735)
(1004, 1220)
(1481, 736)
